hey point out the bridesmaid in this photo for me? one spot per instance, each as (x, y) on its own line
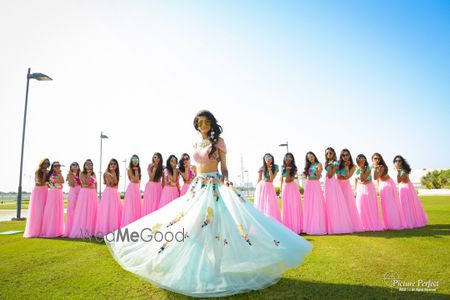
(187, 172)
(153, 188)
(73, 179)
(53, 221)
(171, 188)
(314, 216)
(110, 210)
(132, 206)
(413, 211)
(366, 196)
(86, 209)
(38, 200)
(267, 201)
(338, 215)
(345, 171)
(292, 215)
(390, 204)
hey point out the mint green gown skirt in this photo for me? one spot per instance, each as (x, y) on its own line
(210, 242)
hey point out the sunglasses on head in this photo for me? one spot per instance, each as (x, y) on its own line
(206, 122)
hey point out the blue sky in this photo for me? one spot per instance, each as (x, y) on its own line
(371, 76)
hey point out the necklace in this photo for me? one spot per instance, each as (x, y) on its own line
(204, 143)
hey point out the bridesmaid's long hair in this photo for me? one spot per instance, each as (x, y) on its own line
(168, 165)
(84, 167)
(341, 160)
(308, 163)
(266, 172)
(381, 162)
(159, 169)
(405, 165)
(117, 167)
(215, 127)
(131, 166)
(39, 173)
(293, 166)
(359, 157)
(182, 160)
(51, 172)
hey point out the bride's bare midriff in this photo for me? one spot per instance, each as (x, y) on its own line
(208, 167)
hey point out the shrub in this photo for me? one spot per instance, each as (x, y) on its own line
(436, 179)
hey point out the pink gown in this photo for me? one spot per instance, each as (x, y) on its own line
(367, 204)
(85, 215)
(347, 191)
(109, 213)
(414, 213)
(53, 220)
(170, 190)
(36, 211)
(338, 215)
(267, 201)
(152, 195)
(314, 215)
(390, 205)
(186, 186)
(71, 204)
(291, 213)
(132, 204)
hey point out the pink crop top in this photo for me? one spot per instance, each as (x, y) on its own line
(201, 152)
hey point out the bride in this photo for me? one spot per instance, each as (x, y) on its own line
(212, 241)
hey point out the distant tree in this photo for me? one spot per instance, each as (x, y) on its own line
(436, 179)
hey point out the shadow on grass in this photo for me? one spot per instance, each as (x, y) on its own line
(435, 230)
(288, 288)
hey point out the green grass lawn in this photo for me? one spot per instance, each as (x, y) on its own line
(339, 267)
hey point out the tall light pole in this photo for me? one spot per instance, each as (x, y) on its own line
(102, 136)
(248, 193)
(124, 177)
(285, 145)
(39, 77)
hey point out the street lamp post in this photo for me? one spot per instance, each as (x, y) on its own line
(102, 136)
(124, 177)
(248, 193)
(285, 145)
(40, 77)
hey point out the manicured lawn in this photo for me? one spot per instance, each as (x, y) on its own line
(339, 267)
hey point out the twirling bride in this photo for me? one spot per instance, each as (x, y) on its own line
(212, 241)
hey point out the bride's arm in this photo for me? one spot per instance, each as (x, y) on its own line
(223, 167)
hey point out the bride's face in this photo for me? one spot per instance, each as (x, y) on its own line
(204, 125)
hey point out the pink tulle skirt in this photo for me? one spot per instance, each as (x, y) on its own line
(314, 216)
(337, 212)
(132, 204)
(71, 204)
(413, 211)
(390, 206)
(185, 189)
(36, 211)
(152, 195)
(168, 194)
(109, 213)
(347, 191)
(53, 221)
(367, 204)
(268, 201)
(292, 215)
(85, 215)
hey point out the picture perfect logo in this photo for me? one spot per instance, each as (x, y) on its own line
(393, 280)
